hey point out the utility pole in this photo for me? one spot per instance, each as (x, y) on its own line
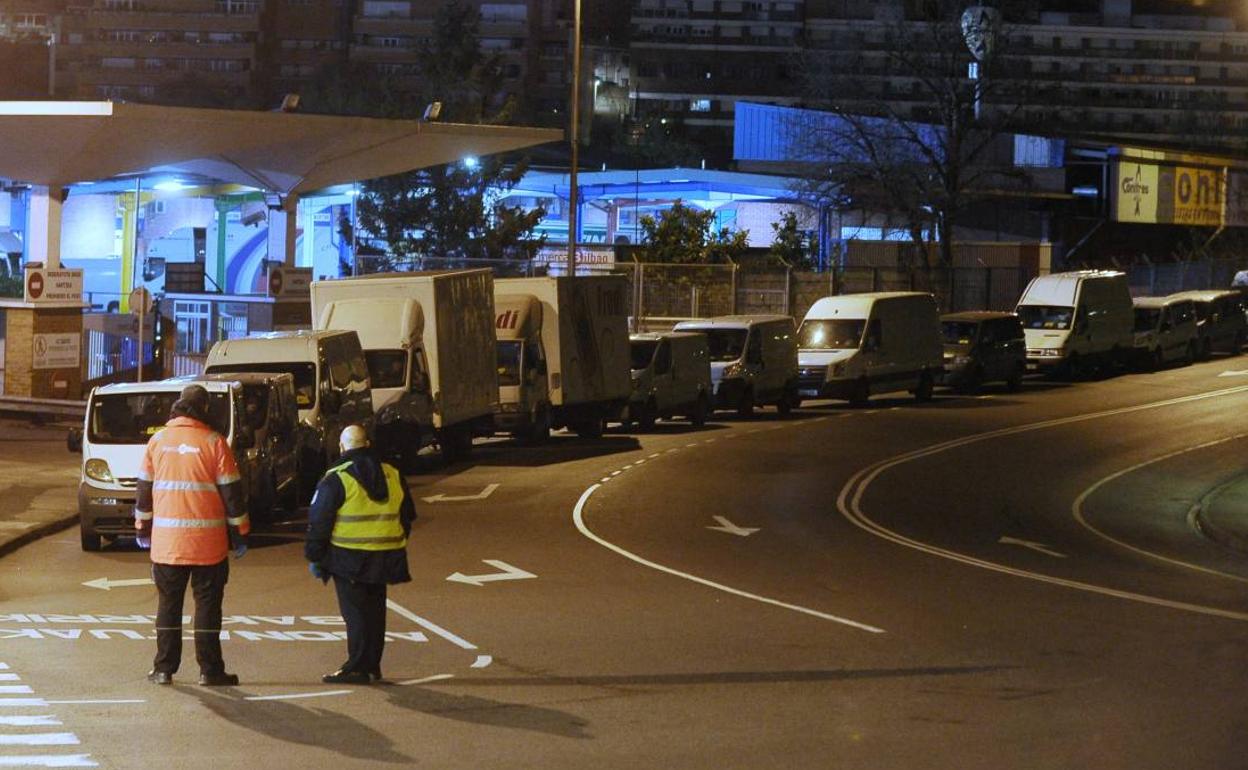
(573, 191)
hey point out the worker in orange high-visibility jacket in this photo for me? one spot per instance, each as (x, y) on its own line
(190, 504)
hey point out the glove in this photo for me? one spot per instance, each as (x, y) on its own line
(318, 572)
(143, 542)
(238, 545)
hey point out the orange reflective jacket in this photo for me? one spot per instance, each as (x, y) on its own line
(186, 463)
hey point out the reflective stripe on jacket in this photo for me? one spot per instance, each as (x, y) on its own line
(187, 463)
(365, 524)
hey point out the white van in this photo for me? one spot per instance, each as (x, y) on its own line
(671, 375)
(753, 361)
(331, 380)
(1165, 331)
(854, 345)
(1077, 321)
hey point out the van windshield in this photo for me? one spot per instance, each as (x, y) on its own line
(133, 418)
(724, 344)
(387, 368)
(1045, 316)
(1146, 318)
(509, 352)
(303, 372)
(830, 333)
(959, 332)
(643, 352)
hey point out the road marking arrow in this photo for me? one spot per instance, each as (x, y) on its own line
(1234, 373)
(733, 529)
(107, 585)
(508, 573)
(489, 490)
(1041, 547)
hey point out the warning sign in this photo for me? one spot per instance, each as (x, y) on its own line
(290, 281)
(45, 286)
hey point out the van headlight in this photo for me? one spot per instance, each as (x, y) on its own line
(98, 469)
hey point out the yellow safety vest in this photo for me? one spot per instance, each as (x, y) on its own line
(364, 524)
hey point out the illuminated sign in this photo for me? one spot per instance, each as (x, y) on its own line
(1138, 192)
(1197, 196)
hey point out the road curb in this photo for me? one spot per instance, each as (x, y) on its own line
(1222, 528)
(36, 533)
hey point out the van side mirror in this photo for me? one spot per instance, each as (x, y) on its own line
(73, 440)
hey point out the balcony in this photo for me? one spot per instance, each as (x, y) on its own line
(142, 50)
(161, 21)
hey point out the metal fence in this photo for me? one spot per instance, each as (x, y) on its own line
(1163, 279)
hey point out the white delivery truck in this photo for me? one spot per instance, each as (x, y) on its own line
(1077, 321)
(562, 354)
(428, 338)
(853, 345)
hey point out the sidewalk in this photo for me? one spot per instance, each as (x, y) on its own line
(38, 482)
(1223, 514)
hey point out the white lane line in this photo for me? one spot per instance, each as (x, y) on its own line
(4, 666)
(21, 702)
(10, 678)
(1076, 509)
(691, 444)
(578, 516)
(15, 689)
(849, 503)
(44, 720)
(53, 760)
(426, 680)
(639, 462)
(94, 702)
(673, 449)
(616, 473)
(482, 661)
(656, 454)
(604, 479)
(39, 739)
(293, 696)
(430, 626)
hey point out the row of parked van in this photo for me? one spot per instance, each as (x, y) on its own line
(436, 359)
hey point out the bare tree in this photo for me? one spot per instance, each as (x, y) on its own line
(909, 135)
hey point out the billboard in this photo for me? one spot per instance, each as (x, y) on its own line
(1150, 193)
(1137, 192)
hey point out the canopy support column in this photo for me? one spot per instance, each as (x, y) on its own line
(43, 229)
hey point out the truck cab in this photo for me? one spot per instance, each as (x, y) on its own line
(524, 408)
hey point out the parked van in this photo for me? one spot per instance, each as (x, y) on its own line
(753, 361)
(331, 381)
(121, 418)
(1165, 331)
(671, 375)
(1077, 321)
(855, 345)
(1220, 321)
(983, 346)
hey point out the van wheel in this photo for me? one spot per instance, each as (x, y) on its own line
(1193, 352)
(647, 415)
(972, 381)
(1158, 360)
(697, 418)
(1206, 349)
(1075, 368)
(788, 402)
(1237, 346)
(861, 395)
(1014, 382)
(924, 391)
(90, 541)
(745, 406)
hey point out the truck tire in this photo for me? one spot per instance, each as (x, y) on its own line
(647, 415)
(591, 428)
(745, 405)
(90, 541)
(861, 394)
(539, 430)
(788, 401)
(456, 444)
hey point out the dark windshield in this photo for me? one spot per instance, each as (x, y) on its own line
(509, 362)
(959, 332)
(133, 418)
(724, 344)
(643, 352)
(1045, 316)
(830, 334)
(387, 368)
(1146, 318)
(303, 372)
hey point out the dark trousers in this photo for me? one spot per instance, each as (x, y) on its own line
(363, 608)
(208, 587)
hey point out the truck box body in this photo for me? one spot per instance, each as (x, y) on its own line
(584, 333)
(447, 315)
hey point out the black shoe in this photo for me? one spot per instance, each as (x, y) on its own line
(374, 676)
(218, 680)
(159, 677)
(346, 677)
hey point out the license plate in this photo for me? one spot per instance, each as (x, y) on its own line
(808, 393)
(1032, 367)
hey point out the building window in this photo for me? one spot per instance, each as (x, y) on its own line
(700, 105)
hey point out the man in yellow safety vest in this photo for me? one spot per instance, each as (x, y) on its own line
(358, 527)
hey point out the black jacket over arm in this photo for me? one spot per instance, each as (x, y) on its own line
(359, 565)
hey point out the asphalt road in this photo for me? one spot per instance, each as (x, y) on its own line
(1009, 580)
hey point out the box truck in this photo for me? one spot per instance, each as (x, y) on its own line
(428, 338)
(562, 354)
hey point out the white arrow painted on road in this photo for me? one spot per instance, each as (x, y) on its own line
(489, 490)
(508, 573)
(1041, 547)
(1234, 373)
(107, 585)
(732, 529)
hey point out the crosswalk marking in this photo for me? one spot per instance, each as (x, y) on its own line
(39, 739)
(21, 702)
(9, 678)
(15, 689)
(50, 760)
(33, 738)
(43, 720)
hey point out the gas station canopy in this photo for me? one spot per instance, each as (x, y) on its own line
(58, 143)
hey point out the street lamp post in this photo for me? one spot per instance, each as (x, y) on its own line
(979, 29)
(573, 192)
